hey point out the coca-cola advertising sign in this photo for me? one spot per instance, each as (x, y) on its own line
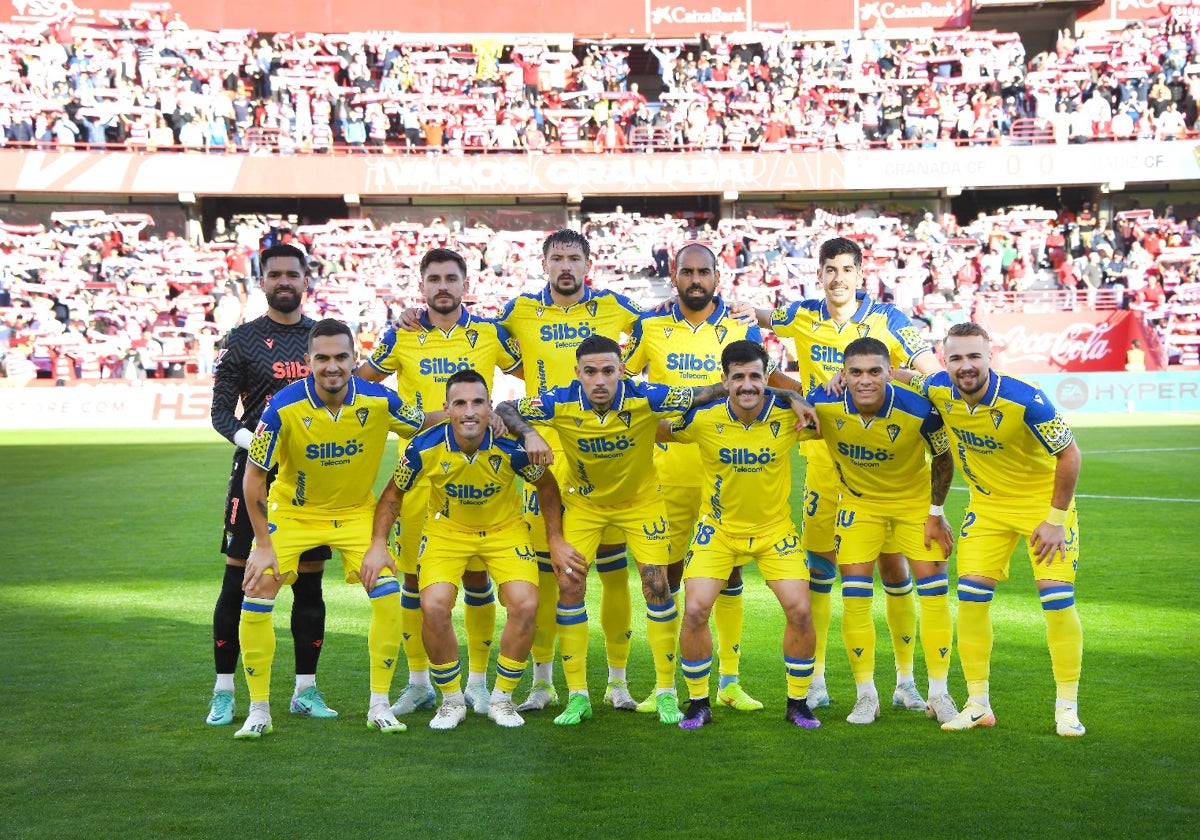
(906, 14)
(1058, 342)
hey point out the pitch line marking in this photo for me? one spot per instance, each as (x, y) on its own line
(1121, 498)
(1126, 451)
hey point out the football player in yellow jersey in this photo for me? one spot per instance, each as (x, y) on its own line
(822, 330)
(1021, 464)
(548, 326)
(682, 346)
(607, 425)
(327, 435)
(475, 513)
(450, 338)
(745, 444)
(878, 436)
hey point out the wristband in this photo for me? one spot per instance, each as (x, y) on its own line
(937, 510)
(1056, 516)
(243, 438)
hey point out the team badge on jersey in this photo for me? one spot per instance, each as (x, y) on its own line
(893, 432)
(997, 418)
(948, 405)
(494, 462)
(361, 414)
(667, 331)
(591, 307)
(721, 333)
(720, 428)
(472, 337)
(625, 417)
(840, 422)
(775, 427)
(578, 421)
(863, 330)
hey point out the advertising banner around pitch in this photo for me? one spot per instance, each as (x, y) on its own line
(1057, 342)
(910, 14)
(1108, 393)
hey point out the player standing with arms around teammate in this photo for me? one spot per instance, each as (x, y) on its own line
(256, 360)
(326, 435)
(448, 338)
(822, 329)
(878, 436)
(474, 514)
(745, 443)
(1021, 464)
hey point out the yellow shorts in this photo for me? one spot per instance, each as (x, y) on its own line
(351, 536)
(409, 528)
(991, 530)
(641, 524)
(714, 554)
(861, 535)
(533, 512)
(822, 488)
(683, 509)
(446, 552)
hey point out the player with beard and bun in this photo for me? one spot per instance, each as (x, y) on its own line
(682, 346)
(256, 360)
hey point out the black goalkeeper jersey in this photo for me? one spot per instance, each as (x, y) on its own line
(255, 361)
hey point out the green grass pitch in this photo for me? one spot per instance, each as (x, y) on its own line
(109, 574)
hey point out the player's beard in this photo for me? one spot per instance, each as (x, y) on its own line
(444, 304)
(696, 298)
(567, 284)
(284, 299)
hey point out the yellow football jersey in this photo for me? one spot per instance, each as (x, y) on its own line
(548, 334)
(748, 467)
(1006, 445)
(611, 455)
(328, 462)
(476, 491)
(668, 349)
(882, 460)
(423, 361)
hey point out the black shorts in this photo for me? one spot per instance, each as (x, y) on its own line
(239, 533)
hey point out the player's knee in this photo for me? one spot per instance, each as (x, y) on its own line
(735, 578)
(893, 568)
(696, 613)
(475, 580)
(820, 566)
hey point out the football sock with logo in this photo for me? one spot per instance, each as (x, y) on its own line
(573, 639)
(257, 635)
(410, 623)
(384, 632)
(479, 619)
(308, 621)
(1064, 635)
(728, 616)
(616, 606)
(858, 628)
(820, 593)
(227, 615)
(901, 609)
(508, 674)
(937, 629)
(695, 674)
(975, 635)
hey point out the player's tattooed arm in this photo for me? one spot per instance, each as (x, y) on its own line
(536, 448)
(941, 473)
(705, 394)
(377, 558)
(937, 529)
(806, 415)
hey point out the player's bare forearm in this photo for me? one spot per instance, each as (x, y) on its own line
(550, 504)
(779, 379)
(386, 511)
(254, 491)
(370, 373)
(663, 433)
(708, 393)
(763, 316)
(1066, 476)
(926, 362)
(940, 475)
(512, 418)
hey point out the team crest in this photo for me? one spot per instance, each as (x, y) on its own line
(997, 418)
(721, 333)
(775, 427)
(893, 432)
(421, 338)
(948, 406)
(308, 422)
(667, 331)
(445, 465)
(625, 417)
(591, 306)
(362, 414)
(816, 325)
(863, 330)
(494, 462)
(840, 422)
(472, 337)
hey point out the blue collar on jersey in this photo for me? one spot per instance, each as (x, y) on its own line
(768, 404)
(888, 401)
(464, 318)
(989, 393)
(452, 444)
(310, 389)
(618, 398)
(714, 319)
(864, 307)
(547, 299)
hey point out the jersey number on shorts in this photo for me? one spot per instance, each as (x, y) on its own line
(968, 521)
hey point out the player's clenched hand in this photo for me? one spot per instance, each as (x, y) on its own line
(938, 529)
(1047, 541)
(410, 319)
(806, 416)
(374, 561)
(262, 561)
(565, 559)
(538, 450)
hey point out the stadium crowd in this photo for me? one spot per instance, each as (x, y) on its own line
(147, 83)
(94, 296)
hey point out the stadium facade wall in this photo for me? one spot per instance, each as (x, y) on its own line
(121, 405)
(81, 173)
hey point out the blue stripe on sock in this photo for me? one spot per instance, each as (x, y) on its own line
(257, 605)
(799, 667)
(543, 563)
(696, 670)
(898, 589)
(386, 585)
(732, 591)
(479, 597)
(1058, 597)
(857, 586)
(933, 585)
(410, 599)
(819, 583)
(514, 673)
(662, 612)
(571, 614)
(978, 592)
